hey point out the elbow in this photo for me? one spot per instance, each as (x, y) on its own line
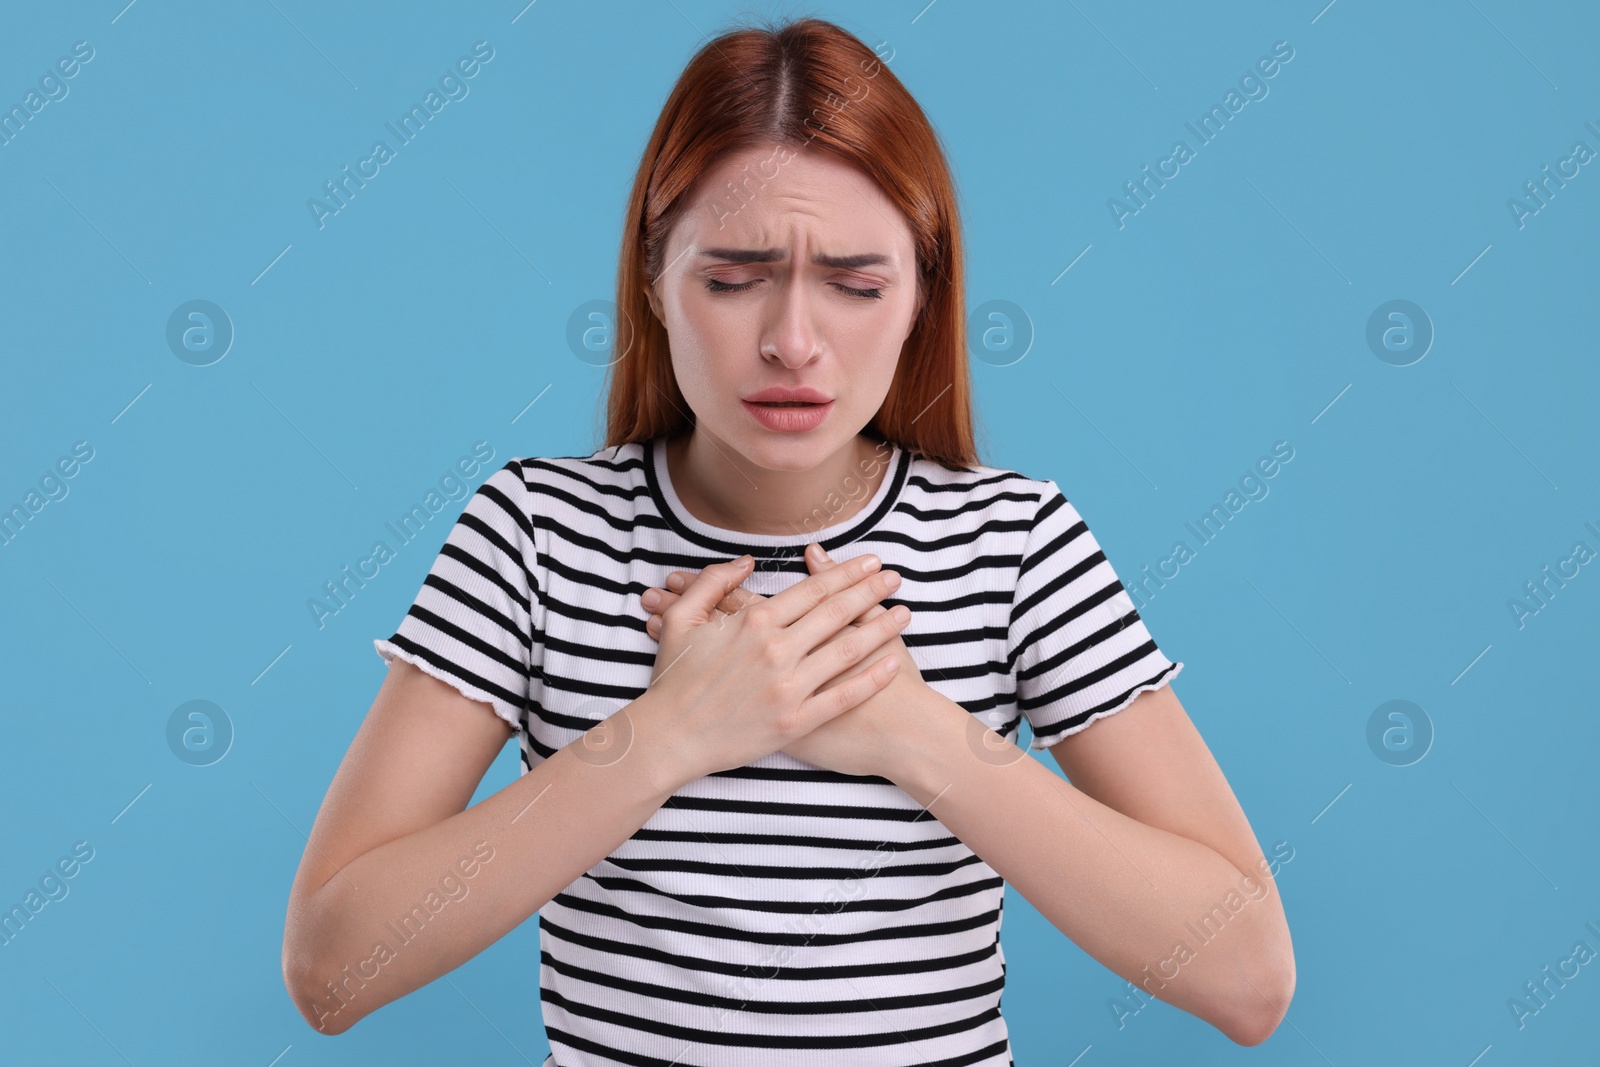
(1269, 994)
(298, 976)
(318, 1004)
(323, 1013)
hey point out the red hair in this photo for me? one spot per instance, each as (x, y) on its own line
(809, 86)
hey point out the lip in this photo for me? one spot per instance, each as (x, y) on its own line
(778, 394)
(788, 420)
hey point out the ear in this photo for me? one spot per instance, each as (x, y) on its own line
(655, 302)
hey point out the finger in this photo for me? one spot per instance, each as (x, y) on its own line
(700, 597)
(840, 697)
(819, 561)
(657, 600)
(865, 642)
(653, 626)
(728, 605)
(678, 580)
(800, 599)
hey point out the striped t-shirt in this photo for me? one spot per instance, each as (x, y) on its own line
(776, 914)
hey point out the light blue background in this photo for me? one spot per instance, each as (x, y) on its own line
(1228, 314)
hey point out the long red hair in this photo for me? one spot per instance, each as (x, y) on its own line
(810, 86)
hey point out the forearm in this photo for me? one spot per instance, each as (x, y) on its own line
(1161, 910)
(416, 908)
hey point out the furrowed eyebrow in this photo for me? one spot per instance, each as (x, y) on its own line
(776, 255)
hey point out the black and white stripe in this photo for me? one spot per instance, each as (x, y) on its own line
(776, 913)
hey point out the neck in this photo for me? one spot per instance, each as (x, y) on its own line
(719, 486)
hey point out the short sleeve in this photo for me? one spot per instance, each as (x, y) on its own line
(1076, 644)
(472, 623)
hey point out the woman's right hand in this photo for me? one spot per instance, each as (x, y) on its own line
(730, 689)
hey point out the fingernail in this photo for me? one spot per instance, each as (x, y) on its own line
(674, 582)
(651, 598)
(822, 555)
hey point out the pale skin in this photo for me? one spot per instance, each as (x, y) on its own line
(1146, 836)
(793, 322)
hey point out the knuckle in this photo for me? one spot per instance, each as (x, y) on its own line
(772, 655)
(787, 722)
(815, 592)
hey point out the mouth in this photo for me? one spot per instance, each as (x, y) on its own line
(789, 396)
(788, 416)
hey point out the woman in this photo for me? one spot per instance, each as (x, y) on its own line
(761, 817)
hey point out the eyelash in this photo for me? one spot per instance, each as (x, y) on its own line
(727, 287)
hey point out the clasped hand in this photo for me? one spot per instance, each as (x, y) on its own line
(861, 741)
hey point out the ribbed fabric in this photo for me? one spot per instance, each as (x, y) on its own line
(776, 915)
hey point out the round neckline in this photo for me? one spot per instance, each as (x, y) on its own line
(738, 542)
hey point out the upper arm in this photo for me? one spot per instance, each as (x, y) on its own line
(1097, 691)
(415, 761)
(1075, 642)
(460, 679)
(1150, 763)
(459, 685)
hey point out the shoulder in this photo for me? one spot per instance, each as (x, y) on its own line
(613, 464)
(998, 491)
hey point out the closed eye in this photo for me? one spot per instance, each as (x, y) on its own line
(715, 286)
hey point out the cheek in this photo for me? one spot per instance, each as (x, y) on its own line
(873, 344)
(705, 341)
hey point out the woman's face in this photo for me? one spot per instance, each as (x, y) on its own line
(826, 294)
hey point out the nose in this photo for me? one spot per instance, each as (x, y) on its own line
(791, 336)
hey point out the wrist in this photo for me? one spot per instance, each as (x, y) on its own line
(936, 730)
(665, 754)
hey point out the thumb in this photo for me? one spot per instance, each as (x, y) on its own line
(714, 582)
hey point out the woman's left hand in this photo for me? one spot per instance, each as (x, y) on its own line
(859, 741)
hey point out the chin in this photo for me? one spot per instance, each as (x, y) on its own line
(787, 452)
